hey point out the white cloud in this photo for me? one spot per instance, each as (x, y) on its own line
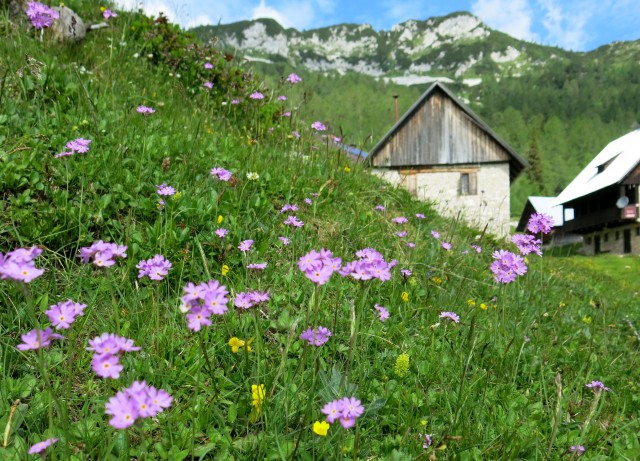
(567, 29)
(513, 17)
(264, 11)
(293, 13)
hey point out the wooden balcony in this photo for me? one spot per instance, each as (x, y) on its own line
(610, 217)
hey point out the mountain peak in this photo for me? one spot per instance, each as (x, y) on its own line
(449, 48)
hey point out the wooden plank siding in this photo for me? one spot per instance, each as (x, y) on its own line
(439, 133)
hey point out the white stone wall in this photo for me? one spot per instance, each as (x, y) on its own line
(488, 207)
(612, 240)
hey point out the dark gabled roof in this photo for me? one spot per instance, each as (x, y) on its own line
(516, 162)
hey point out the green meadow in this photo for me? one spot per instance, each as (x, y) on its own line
(463, 367)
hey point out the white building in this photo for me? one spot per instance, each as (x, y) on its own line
(441, 151)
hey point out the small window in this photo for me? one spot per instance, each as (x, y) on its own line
(588, 240)
(617, 235)
(606, 237)
(468, 184)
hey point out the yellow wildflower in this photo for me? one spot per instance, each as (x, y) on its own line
(347, 169)
(586, 319)
(471, 302)
(257, 395)
(436, 280)
(177, 196)
(321, 428)
(102, 9)
(483, 306)
(402, 365)
(224, 270)
(220, 219)
(405, 296)
(236, 344)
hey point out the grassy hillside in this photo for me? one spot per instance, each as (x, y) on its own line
(555, 107)
(464, 367)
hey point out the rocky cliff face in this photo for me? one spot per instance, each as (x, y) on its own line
(455, 47)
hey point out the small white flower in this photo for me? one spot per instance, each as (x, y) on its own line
(136, 55)
(252, 176)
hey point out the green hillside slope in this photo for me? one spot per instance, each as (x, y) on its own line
(564, 105)
(204, 276)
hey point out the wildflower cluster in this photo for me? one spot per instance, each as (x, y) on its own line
(382, 312)
(36, 339)
(527, 243)
(155, 268)
(250, 299)
(400, 220)
(245, 245)
(507, 266)
(346, 410)
(77, 146)
(136, 401)
(257, 266)
(108, 14)
(237, 343)
(63, 314)
(597, 386)
(257, 399)
(369, 265)
(165, 190)
(103, 254)
(203, 300)
(316, 336)
(18, 265)
(293, 221)
(145, 110)
(540, 222)
(107, 349)
(455, 318)
(319, 266)
(319, 126)
(221, 173)
(293, 79)
(40, 15)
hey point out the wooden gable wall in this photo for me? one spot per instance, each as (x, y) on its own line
(439, 132)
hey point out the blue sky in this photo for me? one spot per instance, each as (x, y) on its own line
(579, 25)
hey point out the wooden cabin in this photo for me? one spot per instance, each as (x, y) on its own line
(604, 198)
(441, 151)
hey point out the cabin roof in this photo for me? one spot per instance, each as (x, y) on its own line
(516, 162)
(608, 168)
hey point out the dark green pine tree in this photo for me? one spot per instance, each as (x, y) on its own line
(535, 171)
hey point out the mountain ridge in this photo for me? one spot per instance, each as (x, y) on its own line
(459, 46)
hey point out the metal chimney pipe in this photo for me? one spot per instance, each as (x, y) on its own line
(395, 101)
